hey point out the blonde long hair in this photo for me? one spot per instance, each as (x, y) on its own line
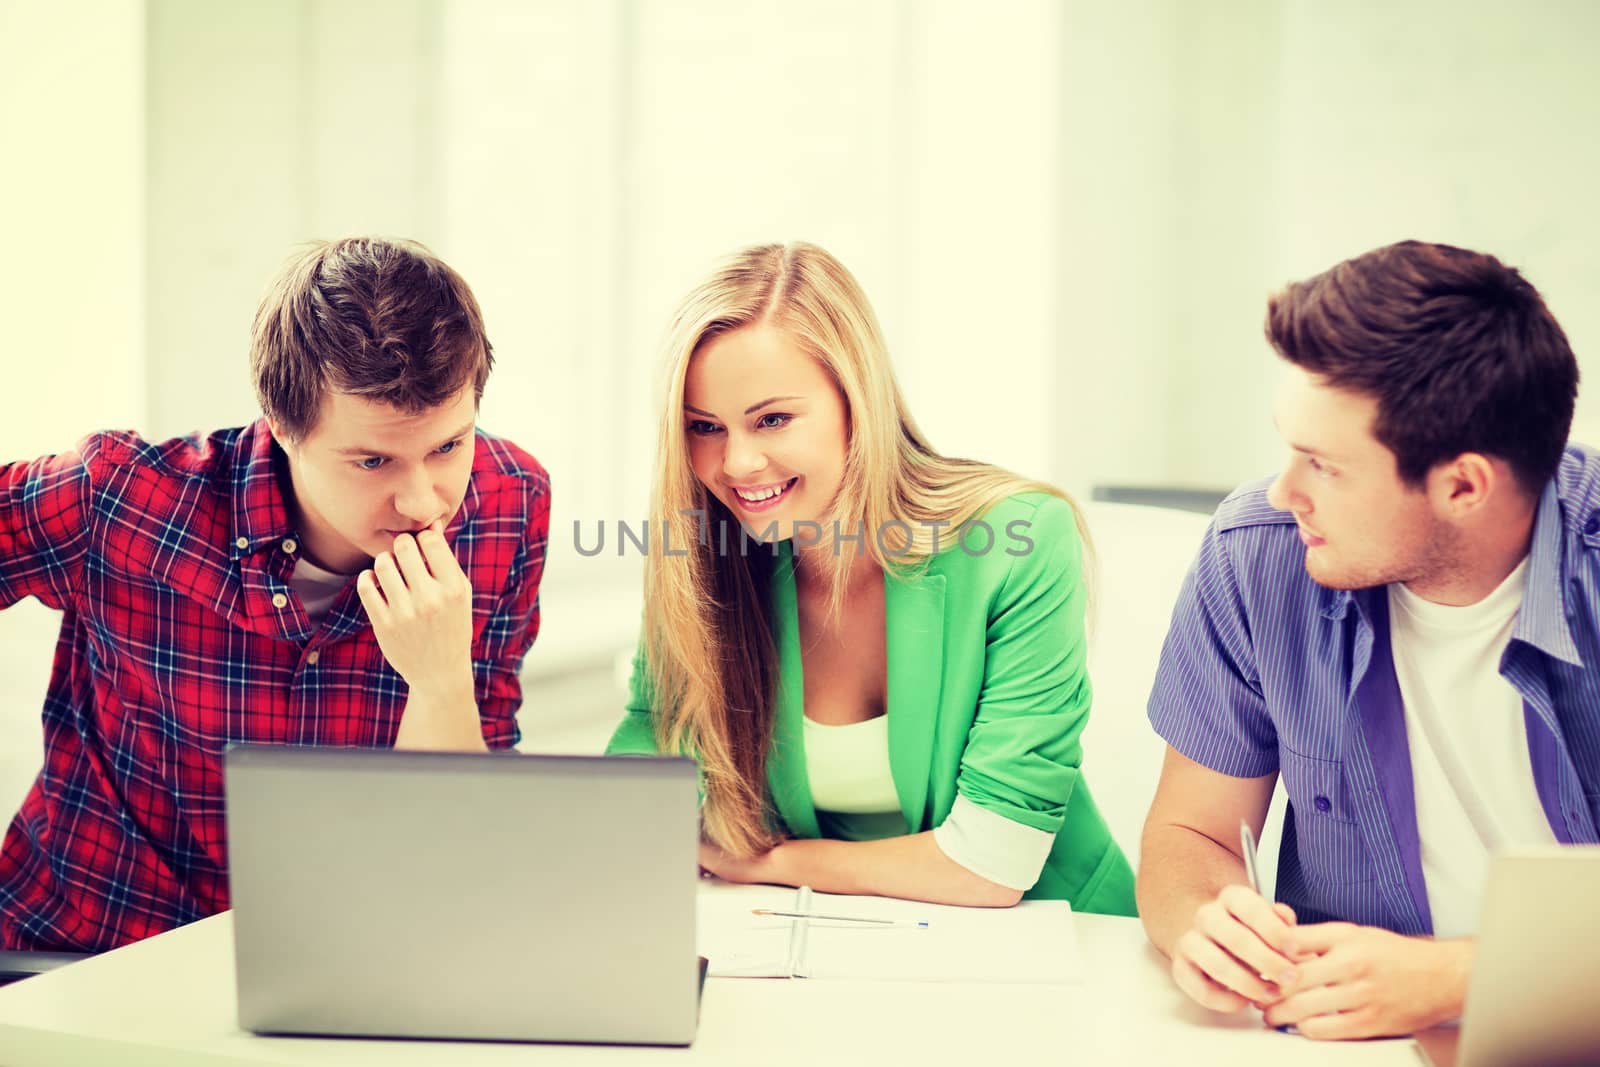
(708, 634)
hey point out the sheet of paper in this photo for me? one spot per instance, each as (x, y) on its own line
(1032, 943)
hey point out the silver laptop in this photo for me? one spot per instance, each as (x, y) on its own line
(485, 897)
(1532, 996)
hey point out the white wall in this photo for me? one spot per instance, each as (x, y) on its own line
(72, 295)
(269, 125)
(598, 159)
(1310, 132)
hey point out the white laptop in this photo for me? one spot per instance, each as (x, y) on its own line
(486, 897)
(1534, 995)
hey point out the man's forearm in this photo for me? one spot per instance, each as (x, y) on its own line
(1179, 870)
(446, 720)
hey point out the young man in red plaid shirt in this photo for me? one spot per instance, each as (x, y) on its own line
(359, 567)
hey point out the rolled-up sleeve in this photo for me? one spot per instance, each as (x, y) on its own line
(1023, 752)
(992, 846)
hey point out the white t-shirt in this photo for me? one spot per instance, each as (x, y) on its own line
(317, 588)
(1470, 768)
(848, 771)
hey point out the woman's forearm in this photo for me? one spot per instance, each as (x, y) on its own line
(912, 867)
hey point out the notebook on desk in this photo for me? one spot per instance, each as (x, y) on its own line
(1031, 943)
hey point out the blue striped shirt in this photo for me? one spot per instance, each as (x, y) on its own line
(1266, 671)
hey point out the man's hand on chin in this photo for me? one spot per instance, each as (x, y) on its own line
(420, 604)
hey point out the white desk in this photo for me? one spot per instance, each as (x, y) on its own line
(169, 1001)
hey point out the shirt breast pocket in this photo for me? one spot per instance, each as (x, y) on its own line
(1327, 837)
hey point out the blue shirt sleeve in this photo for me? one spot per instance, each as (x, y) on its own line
(1207, 701)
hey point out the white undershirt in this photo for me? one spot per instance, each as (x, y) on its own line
(849, 766)
(848, 769)
(1472, 776)
(317, 588)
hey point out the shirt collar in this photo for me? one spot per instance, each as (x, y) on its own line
(260, 515)
(1336, 603)
(1542, 619)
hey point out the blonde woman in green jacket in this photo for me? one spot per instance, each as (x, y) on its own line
(875, 652)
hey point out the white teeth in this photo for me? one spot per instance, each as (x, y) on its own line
(759, 495)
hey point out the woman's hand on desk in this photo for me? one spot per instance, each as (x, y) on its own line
(1367, 982)
(731, 868)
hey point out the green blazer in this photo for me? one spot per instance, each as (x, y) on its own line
(988, 694)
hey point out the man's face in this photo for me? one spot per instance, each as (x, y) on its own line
(1361, 525)
(367, 473)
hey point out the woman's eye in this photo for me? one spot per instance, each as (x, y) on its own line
(447, 448)
(701, 428)
(371, 463)
(772, 420)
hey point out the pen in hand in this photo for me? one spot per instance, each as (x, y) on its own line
(1247, 845)
(1252, 871)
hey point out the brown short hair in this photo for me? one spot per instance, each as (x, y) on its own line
(368, 316)
(1458, 350)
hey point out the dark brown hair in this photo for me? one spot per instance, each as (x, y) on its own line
(372, 317)
(1458, 350)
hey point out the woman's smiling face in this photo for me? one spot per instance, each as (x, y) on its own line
(766, 428)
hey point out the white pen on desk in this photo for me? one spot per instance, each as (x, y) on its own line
(813, 916)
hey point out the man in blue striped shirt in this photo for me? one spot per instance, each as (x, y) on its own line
(1397, 626)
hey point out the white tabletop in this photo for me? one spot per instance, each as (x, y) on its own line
(170, 1001)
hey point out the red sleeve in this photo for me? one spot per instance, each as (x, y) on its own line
(44, 527)
(510, 630)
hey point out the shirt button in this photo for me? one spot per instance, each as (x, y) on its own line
(1323, 804)
(312, 657)
(1593, 525)
(289, 546)
(279, 600)
(243, 542)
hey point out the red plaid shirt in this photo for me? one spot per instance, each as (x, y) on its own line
(181, 634)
